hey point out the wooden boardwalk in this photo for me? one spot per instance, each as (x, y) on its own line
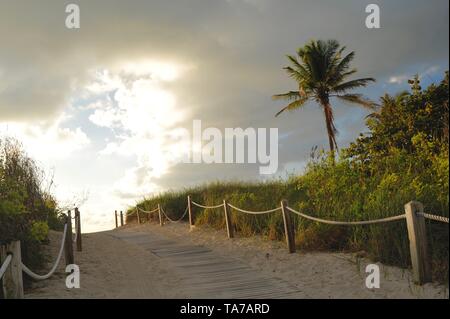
(208, 274)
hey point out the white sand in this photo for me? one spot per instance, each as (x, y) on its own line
(112, 268)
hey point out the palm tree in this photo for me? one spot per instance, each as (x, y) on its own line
(321, 72)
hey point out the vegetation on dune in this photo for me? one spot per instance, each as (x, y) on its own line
(404, 157)
(27, 209)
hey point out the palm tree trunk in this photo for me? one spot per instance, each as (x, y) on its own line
(331, 129)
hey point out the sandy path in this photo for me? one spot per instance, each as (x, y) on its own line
(117, 268)
(110, 268)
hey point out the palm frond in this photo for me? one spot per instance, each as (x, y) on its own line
(293, 106)
(358, 99)
(344, 75)
(331, 48)
(294, 61)
(298, 75)
(353, 84)
(339, 53)
(340, 69)
(291, 95)
(345, 62)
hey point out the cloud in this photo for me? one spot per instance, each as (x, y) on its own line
(403, 78)
(399, 79)
(47, 141)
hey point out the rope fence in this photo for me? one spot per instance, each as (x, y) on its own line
(436, 218)
(414, 217)
(5, 265)
(206, 207)
(147, 211)
(11, 260)
(343, 223)
(179, 219)
(55, 265)
(254, 212)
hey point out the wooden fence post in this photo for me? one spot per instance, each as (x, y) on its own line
(418, 243)
(161, 222)
(12, 278)
(78, 229)
(115, 216)
(191, 218)
(121, 218)
(137, 214)
(288, 227)
(68, 244)
(228, 220)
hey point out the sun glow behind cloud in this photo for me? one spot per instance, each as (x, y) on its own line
(133, 102)
(158, 70)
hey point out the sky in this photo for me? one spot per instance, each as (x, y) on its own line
(99, 107)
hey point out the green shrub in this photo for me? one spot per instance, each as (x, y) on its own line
(39, 231)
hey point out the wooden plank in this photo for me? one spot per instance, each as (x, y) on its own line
(68, 244)
(12, 281)
(161, 222)
(138, 218)
(228, 220)
(418, 244)
(78, 229)
(288, 227)
(191, 217)
(237, 281)
(181, 254)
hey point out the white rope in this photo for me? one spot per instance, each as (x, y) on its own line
(253, 212)
(179, 219)
(206, 207)
(331, 222)
(43, 277)
(148, 211)
(437, 218)
(5, 265)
